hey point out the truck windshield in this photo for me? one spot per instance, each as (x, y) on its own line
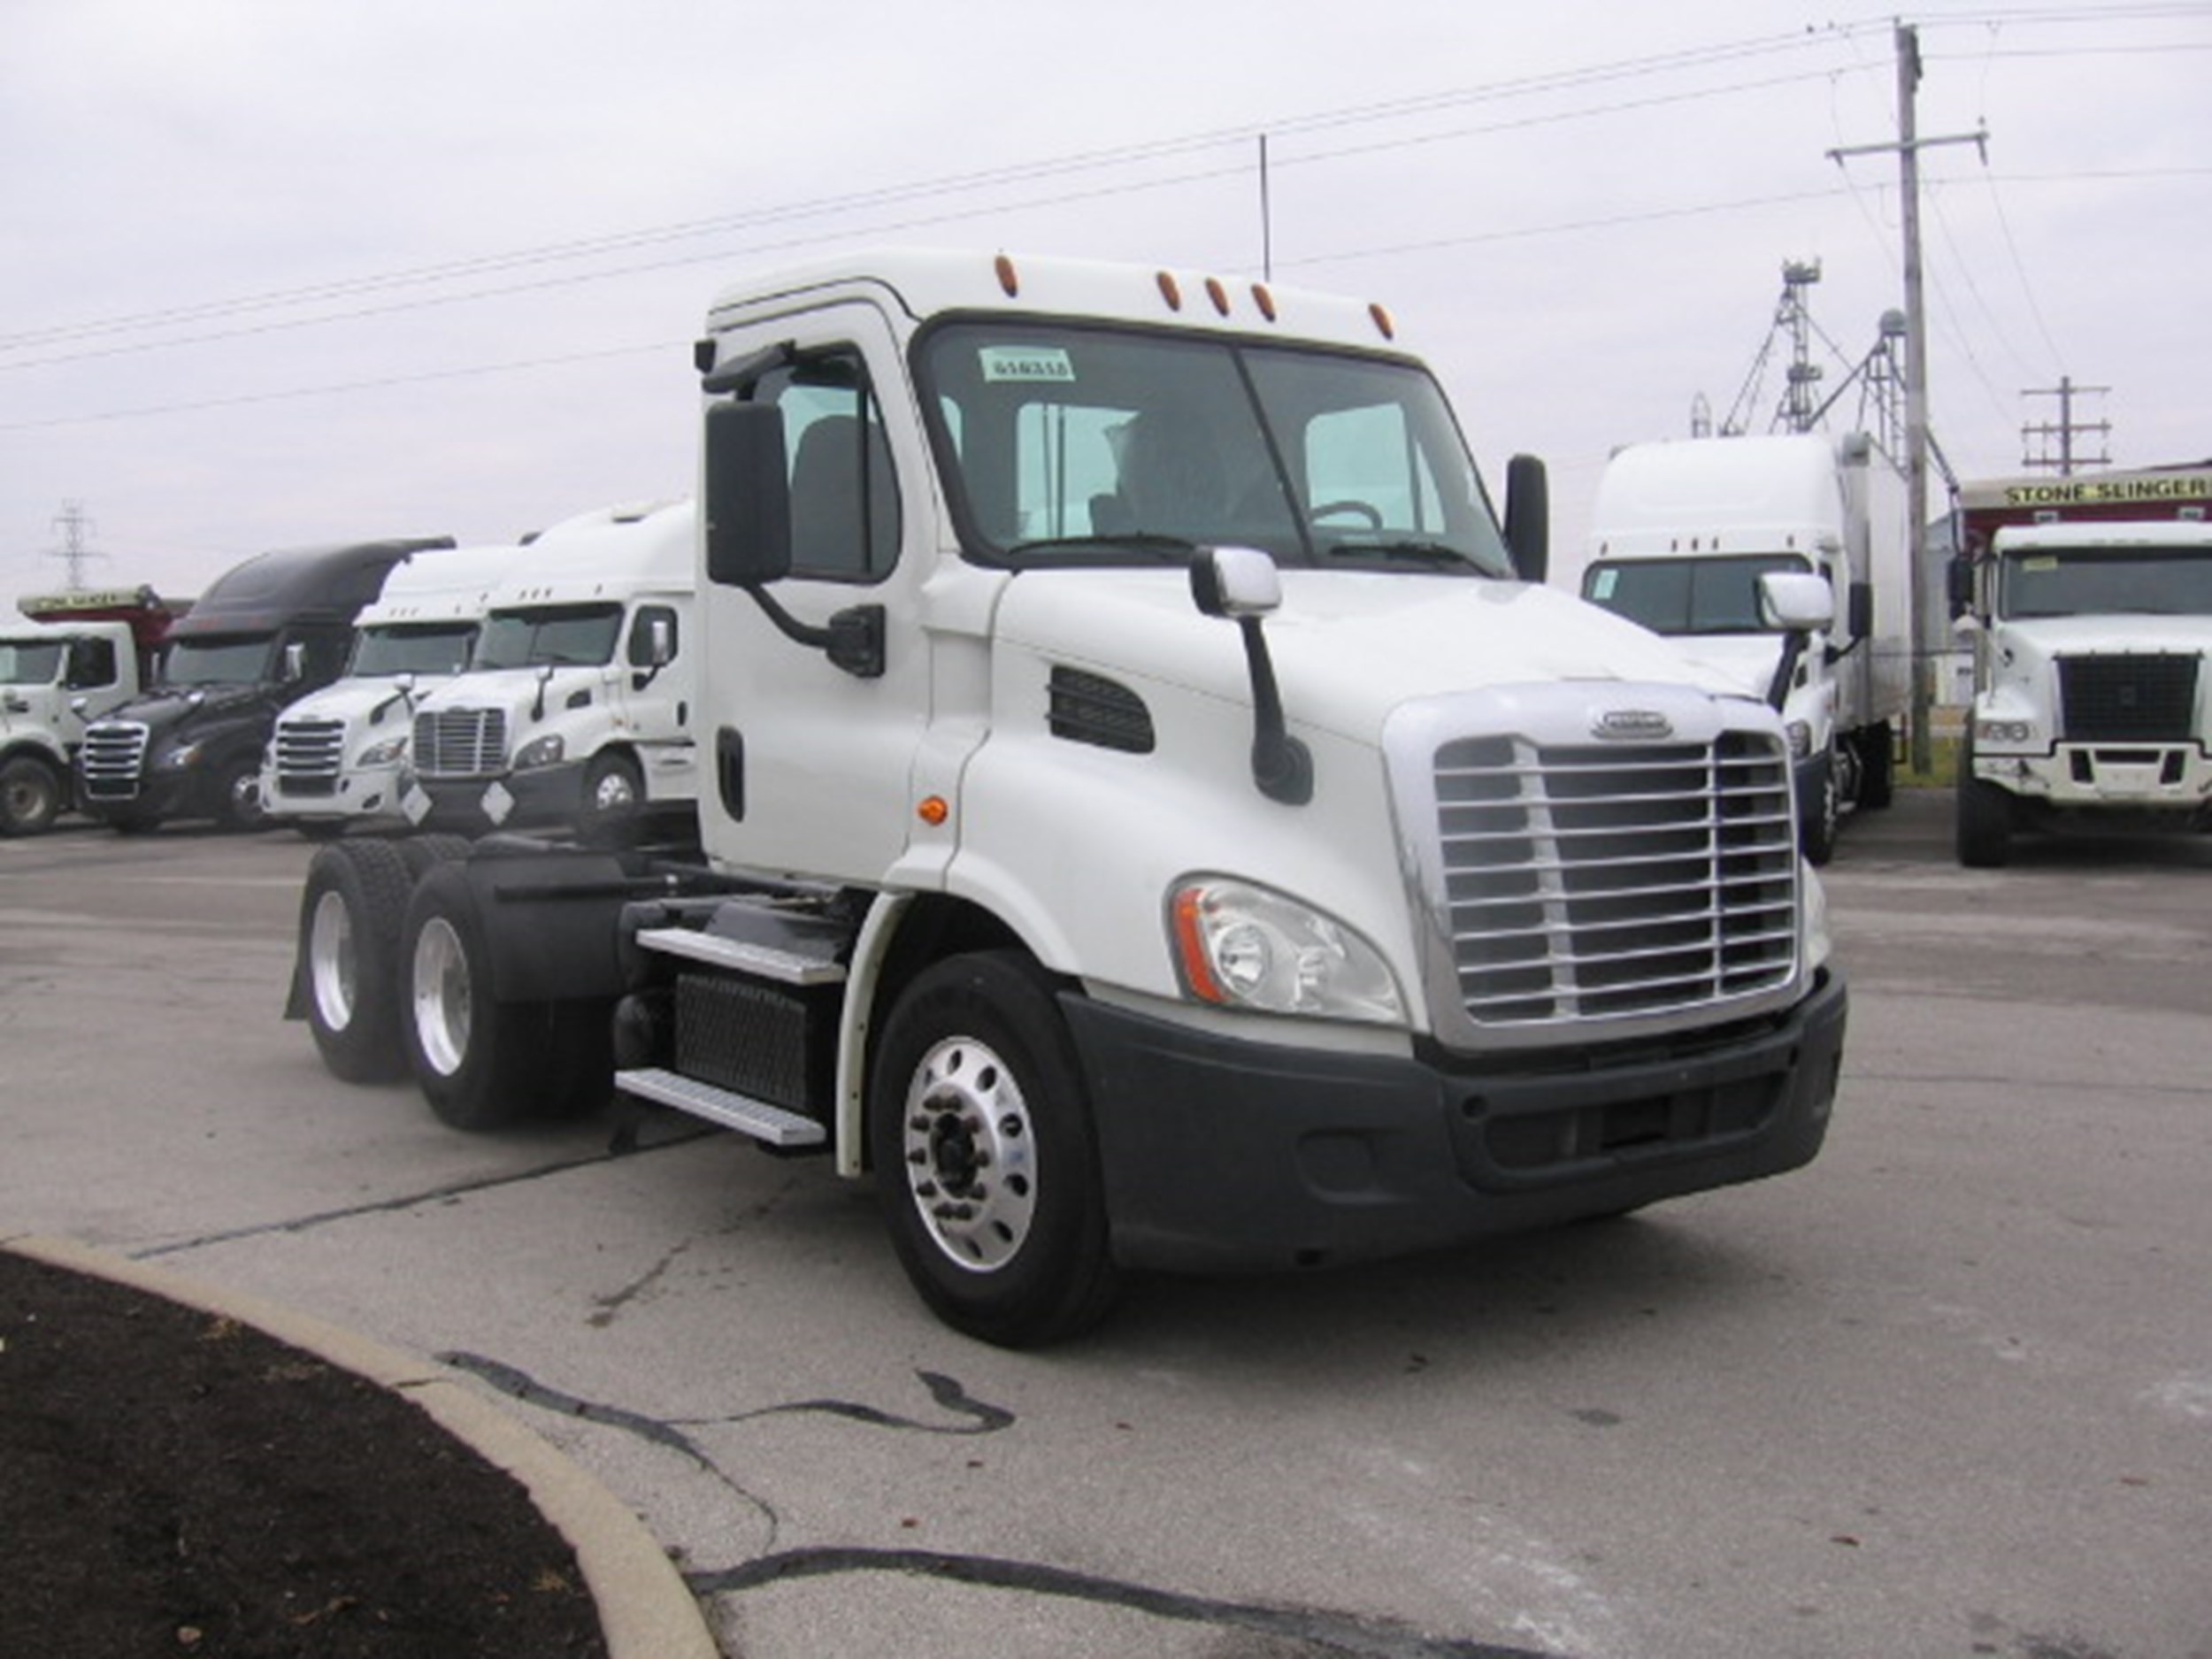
(2106, 581)
(1687, 595)
(1069, 443)
(29, 662)
(550, 635)
(412, 647)
(239, 660)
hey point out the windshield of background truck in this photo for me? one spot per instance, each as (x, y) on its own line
(1080, 444)
(29, 662)
(244, 660)
(1688, 595)
(550, 635)
(412, 647)
(2105, 582)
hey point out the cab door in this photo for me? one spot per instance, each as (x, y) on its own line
(809, 756)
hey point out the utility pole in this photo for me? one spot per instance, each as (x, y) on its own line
(1909, 146)
(2063, 429)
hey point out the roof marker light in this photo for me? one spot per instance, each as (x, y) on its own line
(1218, 294)
(1010, 284)
(1264, 298)
(1170, 292)
(1384, 326)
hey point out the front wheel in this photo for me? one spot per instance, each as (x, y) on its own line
(32, 796)
(348, 958)
(979, 1128)
(238, 802)
(1984, 817)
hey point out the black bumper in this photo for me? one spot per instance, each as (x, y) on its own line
(540, 798)
(1221, 1155)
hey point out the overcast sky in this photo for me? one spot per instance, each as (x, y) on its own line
(281, 272)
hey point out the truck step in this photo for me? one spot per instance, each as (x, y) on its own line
(742, 955)
(749, 1116)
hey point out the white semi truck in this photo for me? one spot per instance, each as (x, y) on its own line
(1154, 817)
(339, 755)
(2088, 601)
(79, 656)
(577, 707)
(1681, 533)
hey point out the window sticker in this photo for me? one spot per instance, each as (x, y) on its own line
(1603, 583)
(1046, 364)
(2041, 562)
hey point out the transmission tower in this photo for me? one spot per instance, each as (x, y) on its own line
(75, 530)
(2062, 431)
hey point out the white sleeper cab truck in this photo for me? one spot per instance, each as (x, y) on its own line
(577, 708)
(2089, 604)
(1680, 535)
(1154, 818)
(339, 754)
(78, 656)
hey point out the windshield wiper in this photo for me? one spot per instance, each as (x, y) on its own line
(1413, 550)
(1167, 549)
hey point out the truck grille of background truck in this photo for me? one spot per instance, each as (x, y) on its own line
(2127, 699)
(308, 755)
(114, 755)
(1588, 882)
(461, 743)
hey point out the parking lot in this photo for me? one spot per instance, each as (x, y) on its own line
(1948, 1390)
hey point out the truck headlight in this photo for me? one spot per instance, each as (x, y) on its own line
(1818, 943)
(1241, 946)
(182, 755)
(541, 752)
(388, 753)
(2004, 732)
(1801, 736)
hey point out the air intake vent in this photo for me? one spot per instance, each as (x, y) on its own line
(1090, 708)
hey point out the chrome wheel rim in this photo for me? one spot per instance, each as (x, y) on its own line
(971, 1157)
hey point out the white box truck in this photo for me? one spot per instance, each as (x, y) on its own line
(2088, 602)
(576, 710)
(1156, 817)
(1681, 534)
(338, 757)
(76, 656)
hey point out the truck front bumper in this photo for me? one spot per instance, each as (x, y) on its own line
(2158, 777)
(537, 799)
(1224, 1156)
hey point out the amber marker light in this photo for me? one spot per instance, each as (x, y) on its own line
(1218, 294)
(1008, 281)
(1384, 326)
(1264, 298)
(1190, 945)
(934, 810)
(1170, 291)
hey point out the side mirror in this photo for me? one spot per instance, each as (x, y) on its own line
(745, 488)
(1796, 602)
(1958, 580)
(1528, 517)
(660, 644)
(294, 667)
(1235, 582)
(1862, 617)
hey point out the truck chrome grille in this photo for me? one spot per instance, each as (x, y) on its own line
(309, 754)
(2127, 699)
(1615, 880)
(113, 758)
(460, 743)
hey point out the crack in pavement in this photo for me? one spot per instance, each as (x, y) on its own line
(410, 1201)
(1334, 1632)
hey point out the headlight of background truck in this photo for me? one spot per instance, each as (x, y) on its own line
(1241, 946)
(386, 753)
(541, 752)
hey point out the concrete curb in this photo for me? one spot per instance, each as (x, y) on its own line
(645, 1610)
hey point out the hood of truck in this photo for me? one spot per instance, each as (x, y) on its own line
(165, 711)
(351, 701)
(1349, 647)
(2073, 636)
(514, 691)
